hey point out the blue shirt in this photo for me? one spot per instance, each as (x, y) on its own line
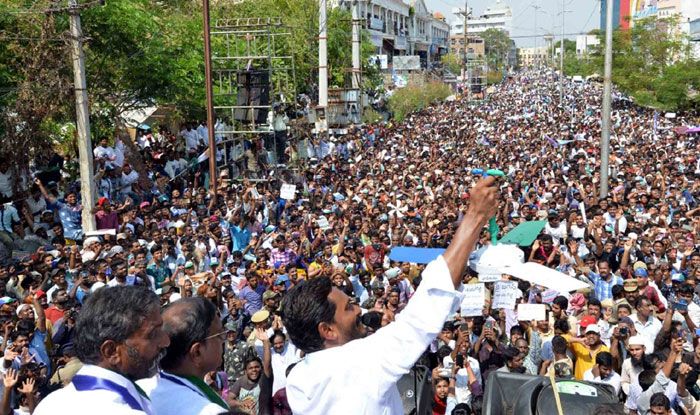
(603, 289)
(239, 237)
(71, 220)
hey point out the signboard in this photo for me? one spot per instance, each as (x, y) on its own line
(287, 191)
(484, 277)
(529, 312)
(322, 222)
(376, 24)
(407, 63)
(473, 300)
(504, 295)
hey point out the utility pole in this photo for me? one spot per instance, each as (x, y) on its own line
(210, 96)
(561, 59)
(356, 65)
(322, 57)
(87, 180)
(607, 100)
(537, 53)
(465, 39)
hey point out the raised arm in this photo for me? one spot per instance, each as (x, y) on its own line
(43, 191)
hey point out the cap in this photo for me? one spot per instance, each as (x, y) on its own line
(377, 285)
(593, 328)
(636, 341)
(260, 316)
(677, 276)
(630, 285)
(587, 321)
(121, 236)
(281, 279)
(101, 201)
(6, 300)
(91, 240)
(144, 205)
(189, 264)
(231, 326)
(641, 272)
(269, 294)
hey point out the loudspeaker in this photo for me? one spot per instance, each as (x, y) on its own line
(415, 390)
(253, 89)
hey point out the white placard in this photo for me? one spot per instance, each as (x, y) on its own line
(528, 312)
(504, 295)
(484, 277)
(287, 191)
(323, 223)
(473, 300)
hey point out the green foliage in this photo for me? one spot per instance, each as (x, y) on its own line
(496, 44)
(452, 62)
(494, 77)
(370, 116)
(416, 97)
(651, 62)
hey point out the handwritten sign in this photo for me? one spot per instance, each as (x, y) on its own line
(528, 312)
(504, 295)
(287, 191)
(549, 295)
(473, 300)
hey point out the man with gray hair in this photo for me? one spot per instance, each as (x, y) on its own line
(120, 339)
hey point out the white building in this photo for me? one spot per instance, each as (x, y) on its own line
(584, 44)
(498, 16)
(530, 57)
(429, 33)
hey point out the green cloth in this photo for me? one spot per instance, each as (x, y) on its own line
(208, 391)
(524, 234)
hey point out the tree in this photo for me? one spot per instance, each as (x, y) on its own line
(453, 62)
(497, 45)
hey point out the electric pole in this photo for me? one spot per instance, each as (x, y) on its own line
(607, 100)
(537, 53)
(356, 69)
(210, 96)
(465, 75)
(561, 59)
(322, 57)
(82, 111)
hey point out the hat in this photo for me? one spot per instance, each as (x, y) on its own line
(577, 301)
(592, 328)
(231, 326)
(636, 341)
(630, 286)
(587, 321)
(6, 300)
(144, 205)
(22, 307)
(641, 272)
(91, 240)
(677, 276)
(377, 285)
(282, 279)
(101, 201)
(213, 261)
(260, 316)
(115, 250)
(121, 236)
(269, 294)
(189, 264)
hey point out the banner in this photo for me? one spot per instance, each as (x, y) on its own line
(529, 312)
(287, 191)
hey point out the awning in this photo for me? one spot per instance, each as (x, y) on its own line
(376, 40)
(134, 118)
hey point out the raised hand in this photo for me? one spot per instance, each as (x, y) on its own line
(10, 378)
(27, 387)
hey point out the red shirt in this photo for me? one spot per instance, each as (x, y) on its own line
(54, 314)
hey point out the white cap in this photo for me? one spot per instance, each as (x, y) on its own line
(592, 328)
(636, 341)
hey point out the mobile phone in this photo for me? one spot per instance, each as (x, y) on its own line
(488, 325)
(681, 305)
(460, 360)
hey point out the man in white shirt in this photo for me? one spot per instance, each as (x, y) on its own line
(645, 323)
(129, 177)
(196, 340)
(105, 153)
(284, 353)
(121, 340)
(603, 372)
(633, 365)
(346, 373)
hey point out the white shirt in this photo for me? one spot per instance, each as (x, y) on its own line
(629, 375)
(360, 376)
(280, 363)
(649, 330)
(99, 401)
(8, 215)
(613, 379)
(172, 398)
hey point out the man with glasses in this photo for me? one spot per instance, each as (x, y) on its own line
(196, 346)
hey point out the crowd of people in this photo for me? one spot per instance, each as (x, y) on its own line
(184, 286)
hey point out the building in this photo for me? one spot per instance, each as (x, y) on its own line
(695, 37)
(428, 34)
(498, 16)
(476, 46)
(387, 22)
(530, 57)
(585, 43)
(625, 12)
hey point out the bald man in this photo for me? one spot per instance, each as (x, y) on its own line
(196, 347)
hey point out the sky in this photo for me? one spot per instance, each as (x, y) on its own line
(581, 16)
